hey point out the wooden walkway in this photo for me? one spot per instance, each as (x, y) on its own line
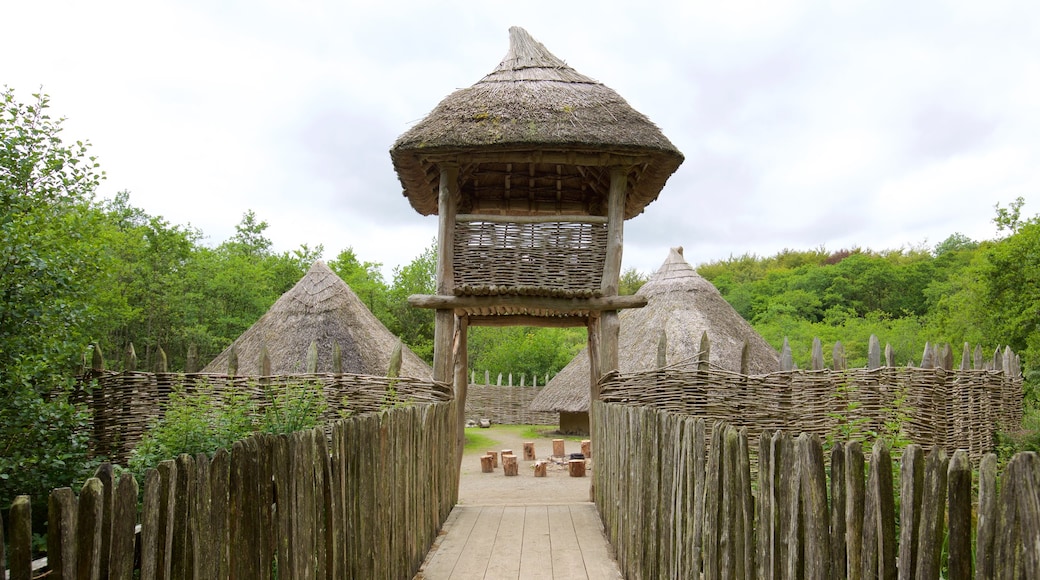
(529, 542)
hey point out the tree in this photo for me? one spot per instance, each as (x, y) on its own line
(46, 268)
(414, 325)
(366, 280)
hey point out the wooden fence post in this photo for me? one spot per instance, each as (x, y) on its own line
(123, 522)
(986, 530)
(88, 530)
(855, 503)
(20, 537)
(911, 482)
(61, 534)
(839, 553)
(933, 502)
(959, 525)
(815, 514)
(150, 524)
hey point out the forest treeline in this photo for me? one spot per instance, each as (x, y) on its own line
(79, 271)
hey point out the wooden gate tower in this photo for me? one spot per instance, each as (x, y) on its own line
(532, 172)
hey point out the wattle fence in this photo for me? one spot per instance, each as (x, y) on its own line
(125, 404)
(679, 501)
(951, 408)
(366, 503)
(505, 405)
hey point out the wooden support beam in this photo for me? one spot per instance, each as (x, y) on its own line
(610, 326)
(530, 219)
(561, 305)
(444, 324)
(461, 382)
(540, 321)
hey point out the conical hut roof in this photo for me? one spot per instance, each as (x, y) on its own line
(685, 305)
(320, 308)
(533, 103)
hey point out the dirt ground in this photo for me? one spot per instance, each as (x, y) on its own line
(558, 487)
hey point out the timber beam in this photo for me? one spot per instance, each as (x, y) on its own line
(559, 305)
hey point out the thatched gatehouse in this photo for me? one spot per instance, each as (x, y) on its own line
(321, 309)
(532, 172)
(684, 306)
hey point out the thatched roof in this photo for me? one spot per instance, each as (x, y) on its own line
(685, 305)
(531, 105)
(319, 308)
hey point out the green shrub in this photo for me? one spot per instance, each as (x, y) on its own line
(203, 421)
(294, 407)
(195, 422)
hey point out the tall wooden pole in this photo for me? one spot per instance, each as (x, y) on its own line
(444, 327)
(461, 357)
(609, 325)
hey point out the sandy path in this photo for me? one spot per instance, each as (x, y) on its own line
(477, 488)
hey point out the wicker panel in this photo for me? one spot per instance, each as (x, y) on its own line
(563, 259)
(952, 409)
(125, 404)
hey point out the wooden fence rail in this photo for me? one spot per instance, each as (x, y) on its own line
(678, 501)
(365, 503)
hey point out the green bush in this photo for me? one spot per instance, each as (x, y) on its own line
(294, 407)
(203, 421)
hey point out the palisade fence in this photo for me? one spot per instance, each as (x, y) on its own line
(366, 503)
(929, 405)
(679, 502)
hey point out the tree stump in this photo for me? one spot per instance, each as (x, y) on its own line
(558, 450)
(586, 448)
(529, 452)
(486, 465)
(494, 458)
(540, 468)
(576, 467)
(509, 465)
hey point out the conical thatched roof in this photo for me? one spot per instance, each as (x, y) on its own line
(685, 305)
(322, 308)
(533, 104)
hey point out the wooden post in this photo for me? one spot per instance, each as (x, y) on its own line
(191, 362)
(162, 364)
(586, 448)
(576, 467)
(459, 355)
(594, 363)
(444, 328)
(20, 537)
(558, 449)
(540, 468)
(509, 465)
(529, 451)
(312, 357)
(494, 458)
(131, 358)
(609, 326)
(486, 465)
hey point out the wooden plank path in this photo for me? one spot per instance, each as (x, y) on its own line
(527, 542)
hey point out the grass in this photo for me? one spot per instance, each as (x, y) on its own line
(478, 439)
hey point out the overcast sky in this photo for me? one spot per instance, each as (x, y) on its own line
(877, 124)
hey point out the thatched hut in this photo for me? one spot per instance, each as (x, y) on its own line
(321, 309)
(684, 306)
